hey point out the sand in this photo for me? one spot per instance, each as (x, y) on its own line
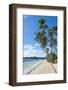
(44, 68)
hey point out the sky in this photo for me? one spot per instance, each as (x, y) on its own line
(31, 47)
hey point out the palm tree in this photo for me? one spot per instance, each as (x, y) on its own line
(41, 37)
(53, 38)
(53, 43)
(42, 24)
(45, 36)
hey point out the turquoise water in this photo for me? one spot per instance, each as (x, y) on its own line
(28, 63)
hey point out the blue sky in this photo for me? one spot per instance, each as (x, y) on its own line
(30, 27)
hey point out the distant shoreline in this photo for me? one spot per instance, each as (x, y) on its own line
(34, 58)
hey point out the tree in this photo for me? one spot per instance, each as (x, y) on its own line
(41, 37)
(47, 37)
(53, 39)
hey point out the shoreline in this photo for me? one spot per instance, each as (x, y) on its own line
(29, 70)
(43, 67)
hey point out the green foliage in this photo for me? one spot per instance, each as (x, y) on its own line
(45, 36)
(52, 57)
(41, 38)
(42, 24)
(41, 21)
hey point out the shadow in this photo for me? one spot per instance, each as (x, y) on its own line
(6, 83)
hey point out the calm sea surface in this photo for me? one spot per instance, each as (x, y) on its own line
(28, 63)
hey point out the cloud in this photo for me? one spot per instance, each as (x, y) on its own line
(33, 50)
(37, 45)
(28, 46)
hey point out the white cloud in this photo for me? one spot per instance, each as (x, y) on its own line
(28, 46)
(37, 45)
(33, 50)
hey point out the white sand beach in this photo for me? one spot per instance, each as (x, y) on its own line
(44, 68)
